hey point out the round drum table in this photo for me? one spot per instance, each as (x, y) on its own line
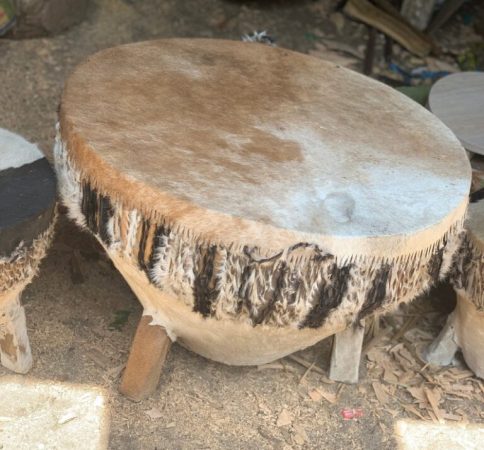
(465, 325)
(27, 216)
(458, 100)
(255, 199)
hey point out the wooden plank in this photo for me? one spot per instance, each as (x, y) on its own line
(442, 350)
(346, 355)
(397, 28)
(15, 351)
(148, 353)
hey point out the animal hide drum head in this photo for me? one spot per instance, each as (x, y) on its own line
(27, 192)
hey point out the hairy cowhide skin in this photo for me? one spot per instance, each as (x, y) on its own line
(27, 210)
(301, 286)
(467, 271)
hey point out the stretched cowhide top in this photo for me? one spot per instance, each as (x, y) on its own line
(27, 192)
(244, 143)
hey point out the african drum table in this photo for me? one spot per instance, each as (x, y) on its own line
(27, 216)
(458, 100)
(465, 325)
(256, 200)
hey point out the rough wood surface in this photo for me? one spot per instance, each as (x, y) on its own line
(413, 40)
(442, 350)
(148, 353)
(470, 334)
(346, 355)
(14, 343)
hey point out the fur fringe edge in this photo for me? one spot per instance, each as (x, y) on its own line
(301, 286)
(18, 269)
(467, 272)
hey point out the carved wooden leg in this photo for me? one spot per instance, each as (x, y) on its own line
(148, 353)
(442, 350)
(346, 354)
(14, 343)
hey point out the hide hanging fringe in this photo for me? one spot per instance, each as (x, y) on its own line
(467, 272)
(301, 286)
(18, 269)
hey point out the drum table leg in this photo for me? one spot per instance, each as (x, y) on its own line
(14, 343)
(146, 359)
(464, 330)
(442, 350)
(346, 354)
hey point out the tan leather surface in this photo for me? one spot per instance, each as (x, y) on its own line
(237, 140)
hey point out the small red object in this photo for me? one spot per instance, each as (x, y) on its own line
(351, 413)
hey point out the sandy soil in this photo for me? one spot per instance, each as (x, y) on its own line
(82, 315)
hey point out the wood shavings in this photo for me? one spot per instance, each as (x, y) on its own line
(380, 392)
(411, 409)
(285, 418)
(434, 400)
(313, 367)
(67, 417)
(315, 395)
(328, 396)
(154, 413)
(300, 436)
(99, 358)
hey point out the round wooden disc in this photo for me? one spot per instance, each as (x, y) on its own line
(27, 192)
(458, 100)
(248, 144)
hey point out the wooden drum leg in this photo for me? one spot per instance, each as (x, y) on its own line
(14, 343)
(346, 354)
(442, 350)
(148, 353)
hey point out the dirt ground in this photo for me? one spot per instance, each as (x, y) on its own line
(82, 315)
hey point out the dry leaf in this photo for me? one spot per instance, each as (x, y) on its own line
(449, 416)
(380, 392)
(263, 407)
(409, 377)
(418, 393)
(67, 417)
(328, 396)
(154, 413)
(432, 416)
(413, 410)
(315, 395)
(300, 436)
(459, 374)
(462, 387)
(434, 403)
(389, 376)
(375, 354)
(284, 419)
